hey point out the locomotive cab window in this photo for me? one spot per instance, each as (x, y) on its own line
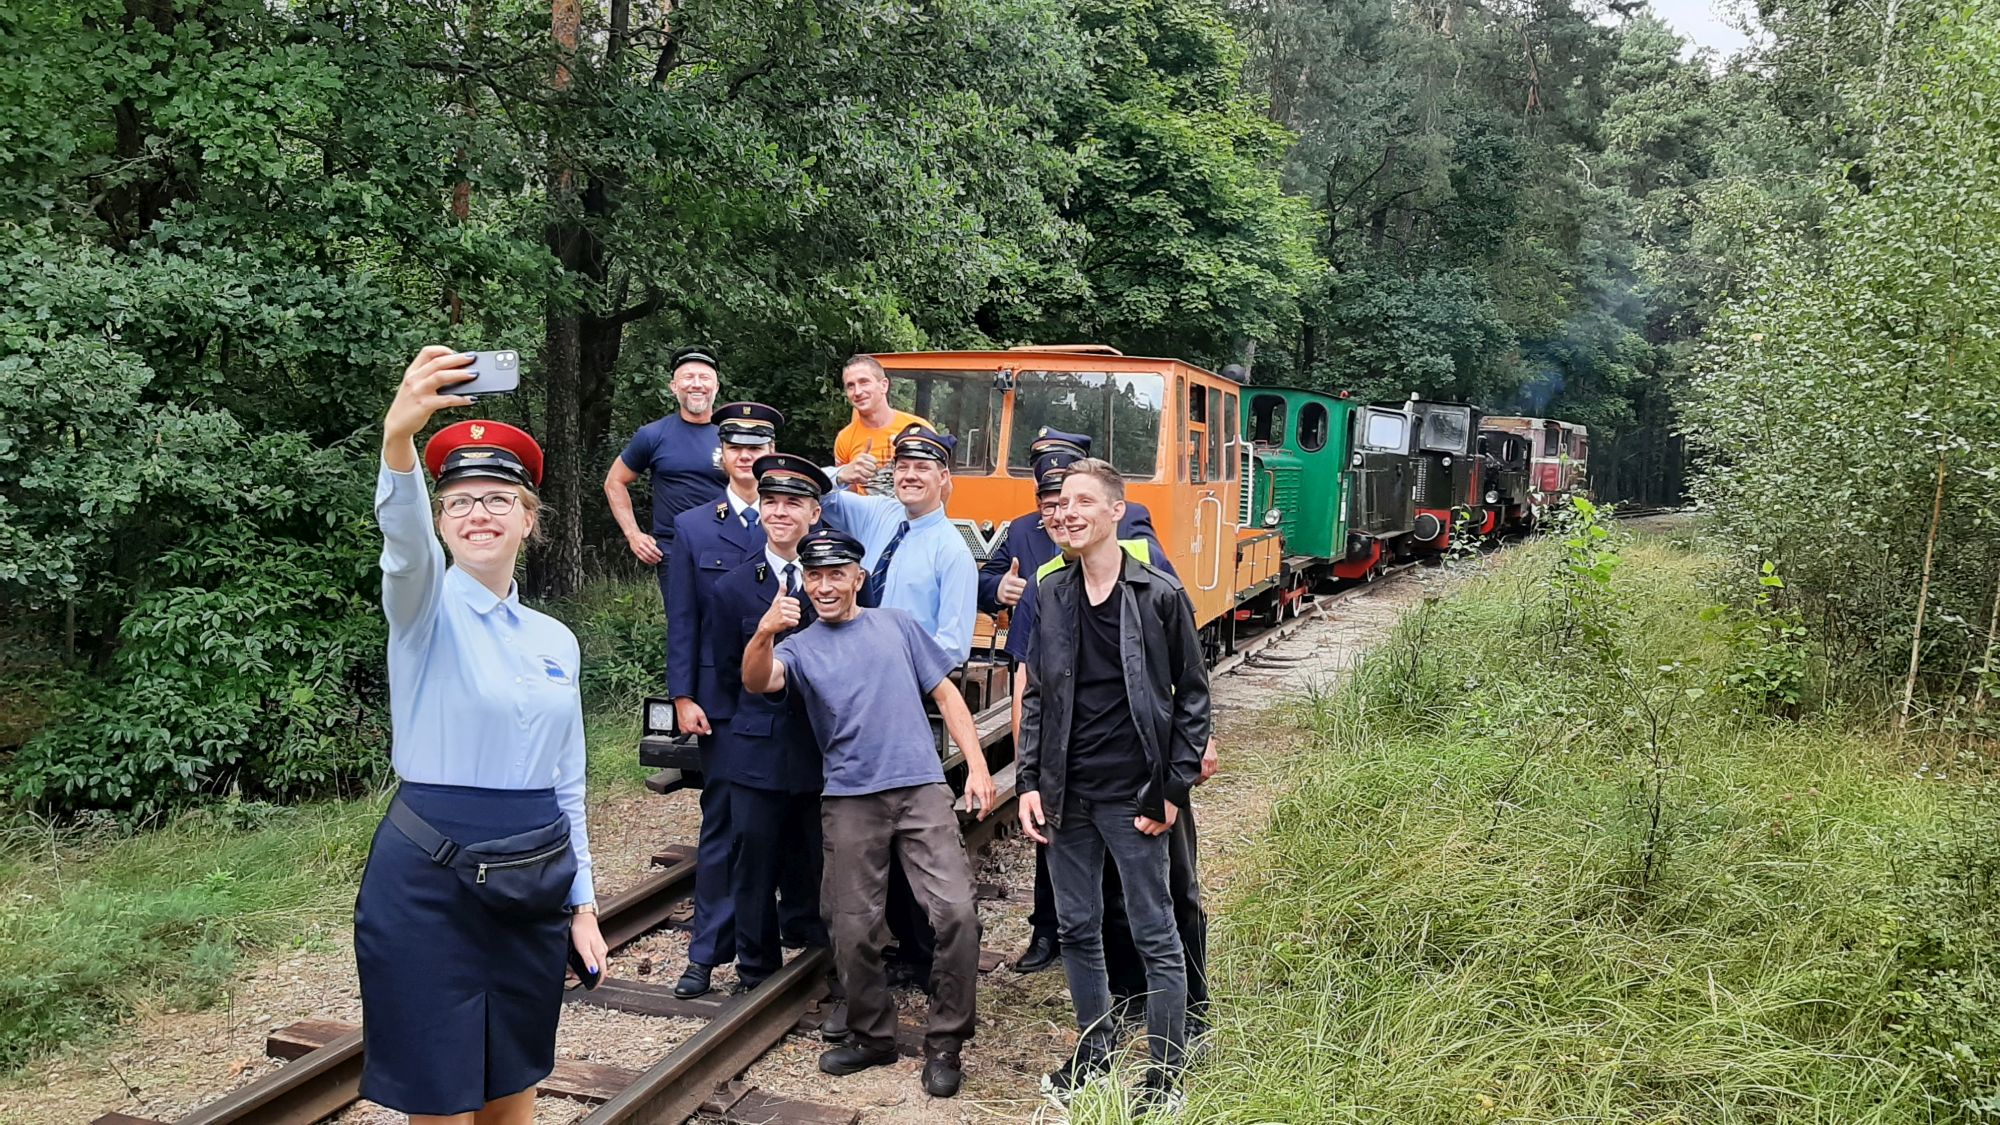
(1215, 416)
(1123, 414)
(1447, 429)
(1385, 431)
(1230, 453)
(1267, 420)
(964, 404)
(1313, 427)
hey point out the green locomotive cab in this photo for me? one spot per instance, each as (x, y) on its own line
(1298, 468)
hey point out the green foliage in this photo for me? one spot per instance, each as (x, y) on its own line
(1443, 922)
(1944, 995)
(1859, 359)
(1772, 660)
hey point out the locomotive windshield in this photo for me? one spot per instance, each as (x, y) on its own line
(1447, 429)
(964, 404)
(1121, 413)
(1386, 431)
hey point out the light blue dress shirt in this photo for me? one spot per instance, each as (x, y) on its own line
(482, 689)
(932, 576)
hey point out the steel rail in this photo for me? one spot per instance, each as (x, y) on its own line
(327, 1080)
(749, 1024)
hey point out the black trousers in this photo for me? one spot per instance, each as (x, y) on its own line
(1121, 957)
(776, 863)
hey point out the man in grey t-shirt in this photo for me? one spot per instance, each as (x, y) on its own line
(863, 675)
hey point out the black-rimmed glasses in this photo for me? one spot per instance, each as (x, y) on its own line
(496, 503)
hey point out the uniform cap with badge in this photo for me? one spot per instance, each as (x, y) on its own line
(483, 448)
(748, 423)
(922, 443)
(827, 547)
(790, 474)
(1054, 452)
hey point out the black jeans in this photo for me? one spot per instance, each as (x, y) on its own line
(1091, 831)
(1121, 958)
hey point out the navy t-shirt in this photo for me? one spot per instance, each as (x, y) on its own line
(685, 460)
(863, 682)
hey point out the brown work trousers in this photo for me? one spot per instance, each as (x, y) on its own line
(918, 822)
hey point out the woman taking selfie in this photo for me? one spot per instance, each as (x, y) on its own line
(478, 880)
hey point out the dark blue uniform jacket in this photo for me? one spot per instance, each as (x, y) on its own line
(768, 744)
(709, 542)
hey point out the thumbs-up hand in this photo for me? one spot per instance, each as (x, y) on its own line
(783, 615)
(1012, 585)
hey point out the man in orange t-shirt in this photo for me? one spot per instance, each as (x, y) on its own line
(869, 440)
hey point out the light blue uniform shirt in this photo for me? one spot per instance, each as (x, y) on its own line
(932, 577)
(482, 689)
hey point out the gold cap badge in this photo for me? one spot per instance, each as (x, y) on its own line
(478, 433)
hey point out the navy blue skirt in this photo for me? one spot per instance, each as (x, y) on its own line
(458, 1004)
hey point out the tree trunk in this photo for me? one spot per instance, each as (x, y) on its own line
(556, 569)
(1923, 600)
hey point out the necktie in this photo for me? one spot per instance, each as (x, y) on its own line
(871, 594)
(791, 578)
(749, 517)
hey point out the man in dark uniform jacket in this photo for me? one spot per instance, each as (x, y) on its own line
(773, 761)
(1007, 581)
(708, 543)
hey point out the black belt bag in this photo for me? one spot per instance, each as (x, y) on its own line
(522, 876)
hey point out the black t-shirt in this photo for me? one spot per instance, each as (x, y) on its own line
(1106, 762)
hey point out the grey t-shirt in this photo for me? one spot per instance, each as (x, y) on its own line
(864, 682)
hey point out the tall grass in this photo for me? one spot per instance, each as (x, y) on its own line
(1456, 919)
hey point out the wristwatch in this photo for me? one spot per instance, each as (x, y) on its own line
(584, 908)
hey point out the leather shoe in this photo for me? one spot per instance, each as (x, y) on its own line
(942, 1074)
(745, 984)
(855, 1058)
(694, 982)
(1042, 951)
(833, 1029)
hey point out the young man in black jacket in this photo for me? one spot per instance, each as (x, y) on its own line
(1112, 732)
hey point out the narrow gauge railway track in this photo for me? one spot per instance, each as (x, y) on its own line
(325, 1077)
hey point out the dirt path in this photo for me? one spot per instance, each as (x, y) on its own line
(167, 1062)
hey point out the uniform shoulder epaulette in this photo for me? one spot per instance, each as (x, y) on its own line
(722, 511)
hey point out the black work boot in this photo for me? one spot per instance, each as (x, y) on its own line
(942, 1073)
(1043, 949)
(855, 1058)
(833, 1029)
(694, 982)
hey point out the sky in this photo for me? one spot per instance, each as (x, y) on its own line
(1701, 21)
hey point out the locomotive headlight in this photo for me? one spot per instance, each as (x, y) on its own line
(659, 715)
(1447, 462)
(1356, 461)
(1271, 518)
(1492, 498)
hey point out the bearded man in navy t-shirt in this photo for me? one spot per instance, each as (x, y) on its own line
(683, 456)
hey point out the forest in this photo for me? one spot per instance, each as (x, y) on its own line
(1765, 281)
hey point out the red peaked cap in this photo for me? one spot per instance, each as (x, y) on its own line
(481, 448)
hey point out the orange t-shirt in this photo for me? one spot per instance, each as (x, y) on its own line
(879, 442)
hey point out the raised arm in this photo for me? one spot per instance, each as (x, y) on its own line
(412, 559)
(763, 672)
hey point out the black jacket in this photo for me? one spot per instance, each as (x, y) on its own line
(1165, 680)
